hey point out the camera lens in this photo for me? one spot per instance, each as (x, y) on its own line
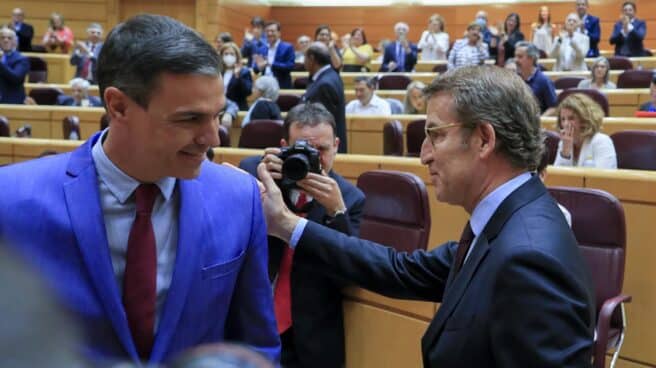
(296, 167)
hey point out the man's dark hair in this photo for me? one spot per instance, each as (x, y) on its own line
(371, 82)
(632, 3)
(271, 23)
(308, 114)
(139, 50)
(225, 37)
(318, 52)
(257, 21)
(320, 28)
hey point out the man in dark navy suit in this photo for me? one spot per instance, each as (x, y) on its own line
(24, 31)
(514, 291)
(589, 27)
(401, 55)
(314, 337)
(326, 87)
(629, 32)
(275, 58)
(13, 69)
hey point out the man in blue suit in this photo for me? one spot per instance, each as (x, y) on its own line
(152, 247)
(401, 55)
(13, 69)
(85, 55)
(589, 27)
(514, 291)
(629, 32)
(275, 58)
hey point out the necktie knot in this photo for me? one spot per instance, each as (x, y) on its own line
(145, 196)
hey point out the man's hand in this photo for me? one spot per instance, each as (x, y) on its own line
(272, 163)
(391, 66)
(567, 137)
(79, 45)
(260, 61)
(324, 190)
(280, 220)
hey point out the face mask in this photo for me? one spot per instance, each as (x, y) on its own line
(229, 60)
(481, 22)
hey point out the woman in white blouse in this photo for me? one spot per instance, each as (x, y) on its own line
(543, 30)
(581, 142)
(599, 76)
(434, 42)
(570, 47)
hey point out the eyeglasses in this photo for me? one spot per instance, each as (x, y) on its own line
(432, 133)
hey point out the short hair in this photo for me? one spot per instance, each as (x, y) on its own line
(401, 25)
(516, 16)
(500, 97)
(371, 82)
(531, 50)
(473, 25)
(407, 104)
(5, 29)
(586, 109)
(320, 28)
(51, 22)
(361, 30)
(308, 114)
(598, 61)
(225, 37)
(95, 26)
(257, 21)
(142, 48)
(439, 18)
(319, 52)
(268, 86)
(632, 3)
(272, 23)
(83, 83)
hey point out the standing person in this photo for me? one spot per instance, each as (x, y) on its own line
(511, 35)
(237, 79)
(326, 87)
(470, 50)
(276, 58)
(157, 249)
(310, 318)
(85, 55)
(526, 58)
(543, 30)
(570, 46)
(599, 76)
(401, 55)
(629, 32)
(323, 34)
(589, 26)
(24, 31)
(515, 291)
(434, 42)
(58, 37)
(490, 34)
(254, 39)
(13, 69)
(358, 53)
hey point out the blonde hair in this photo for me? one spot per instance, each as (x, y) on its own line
(407, 103)
(586, 109)
(439, 18)
(228, 45)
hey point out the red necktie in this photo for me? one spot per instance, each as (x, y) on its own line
(282, 296)
(86, 67)
(463, 246)
(139, 282)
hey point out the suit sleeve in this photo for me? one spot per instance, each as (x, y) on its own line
(638, 32)
(544, 321)
(251, 320)
(410, 58)
(286, 61)
(595, 31)
(16, 72)
(387, 57)
(419, 275)
(616, 36)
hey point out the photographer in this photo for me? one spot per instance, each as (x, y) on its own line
(311, 326)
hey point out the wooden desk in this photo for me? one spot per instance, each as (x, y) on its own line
(46, 121)
(60, 69)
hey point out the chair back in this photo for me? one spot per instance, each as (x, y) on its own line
(635, 149)
(551, 140)
(393, 138)
(286, 102)
(45, 95)
(224, 136)
(301, 82)
(4, 126)
(393, 81)
(396, 106)
(619, 63)
(38, 70)
(415, 135)
(261, 134)
(71, 127)
(635, 79)
(397, 210)
(440, 68)
(597, 96)
(567, 82)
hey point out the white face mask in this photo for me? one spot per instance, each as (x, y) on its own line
(229, 60)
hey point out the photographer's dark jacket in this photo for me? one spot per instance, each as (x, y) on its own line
(317, 320)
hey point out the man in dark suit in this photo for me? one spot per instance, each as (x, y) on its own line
(629, 32)
(24, 31)
(316, 335)
(401, 55)
(589, 27)
(13, 69)
(85, 55)
(80, 95)
(326, 87)
(515, 291)
(275, 58)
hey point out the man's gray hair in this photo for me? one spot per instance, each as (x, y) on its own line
(95, 26)
(81, 82)
(5, 29)
(489, 94)
(531, 50)
(268, 86)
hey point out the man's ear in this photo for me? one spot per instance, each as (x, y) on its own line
(488, 139)
(116, 103)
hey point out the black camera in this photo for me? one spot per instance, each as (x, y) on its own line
(297, 161)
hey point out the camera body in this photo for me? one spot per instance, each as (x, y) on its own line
(298, 160)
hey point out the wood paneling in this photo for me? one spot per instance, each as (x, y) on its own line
(233, 17)
(182, 10)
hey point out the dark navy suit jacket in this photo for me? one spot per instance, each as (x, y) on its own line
(633, 39)
(594, 33)
(240, 87)
(283, 63)
(25, 35)
(317, 318)
(64, 100)
(523, 298)
(328, 89)
(12, 77)
(390, 55)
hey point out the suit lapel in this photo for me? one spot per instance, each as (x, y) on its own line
(85, 212)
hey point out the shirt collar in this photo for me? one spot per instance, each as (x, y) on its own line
(536, 70)
(318, 73)
(275, 45)
(486, 208)
(119, 183)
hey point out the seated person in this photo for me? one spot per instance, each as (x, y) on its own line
(526, 58)
(265, 90)
(58, 37)
(581, 142)
(357, 54)
(599, 76)
(414, 101)
(80, 95)
(470, 50)
(366, 102)
(650, 105)
(570, 47)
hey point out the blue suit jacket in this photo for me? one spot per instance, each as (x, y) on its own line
(64, 100)
(390, 55)
(522, 299)
(593, 31)
(79, 60)
(50, 212)
(633, 39)
(12, 77)
(328, 89)
(283, 63)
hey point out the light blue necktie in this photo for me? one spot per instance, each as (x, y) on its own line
(400, 57)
